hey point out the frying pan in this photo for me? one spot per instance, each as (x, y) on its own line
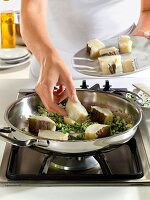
(18, 112)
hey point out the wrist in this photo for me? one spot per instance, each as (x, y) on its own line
(44, 51)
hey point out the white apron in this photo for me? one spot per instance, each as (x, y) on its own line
(73, 22)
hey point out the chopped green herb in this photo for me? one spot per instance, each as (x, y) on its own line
(117, 125)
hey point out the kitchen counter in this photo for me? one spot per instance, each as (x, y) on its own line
(20, 72)
(8, 95)
(74, 193)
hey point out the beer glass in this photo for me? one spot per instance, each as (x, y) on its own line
(8, 34)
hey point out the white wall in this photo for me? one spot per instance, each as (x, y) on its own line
(10, 5)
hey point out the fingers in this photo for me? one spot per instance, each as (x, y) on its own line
(60, 94)
(60, 90)
(51, 98)
(137, 33)
(147, 34)
(70, 88)
(141, 33)
(46, 94)
(61, 97)
(58, 75)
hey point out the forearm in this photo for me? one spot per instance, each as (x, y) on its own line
(34, 26)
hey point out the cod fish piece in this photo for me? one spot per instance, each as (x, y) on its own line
(93, 47)
(52, 135)
(128, 65)
(76, 111)
(101, 115)
(108, 51)
(68, 120)
(110, 64)
(125, 44)
(95, 131)
(39, 122)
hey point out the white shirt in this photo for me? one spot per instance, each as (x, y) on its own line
(71, 23)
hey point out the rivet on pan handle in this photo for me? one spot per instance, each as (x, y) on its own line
(14, 141)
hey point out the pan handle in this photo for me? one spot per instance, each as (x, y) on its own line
(136, 97)
(14, 141)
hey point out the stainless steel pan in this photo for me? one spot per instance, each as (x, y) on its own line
(18, 112)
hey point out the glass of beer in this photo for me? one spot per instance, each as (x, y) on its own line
(8, 34)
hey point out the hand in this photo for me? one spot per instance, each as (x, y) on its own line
(54, 73)
(141, 33)
(147, 34)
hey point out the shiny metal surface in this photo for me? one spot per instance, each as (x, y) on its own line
(17, 114)
(140, 52)
(74, 164)
(141, 137)
(15, 142)
(144, 150)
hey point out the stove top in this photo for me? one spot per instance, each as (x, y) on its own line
(125, 165)
(120, 163)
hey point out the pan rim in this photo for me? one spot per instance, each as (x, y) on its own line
(139, 109)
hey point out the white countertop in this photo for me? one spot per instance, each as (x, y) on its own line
(20, 72)
(8, 91)
(75, 193)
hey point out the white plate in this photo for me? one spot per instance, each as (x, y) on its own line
(13, 53)
(4, 65)
(141, 53)
(18, 60)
